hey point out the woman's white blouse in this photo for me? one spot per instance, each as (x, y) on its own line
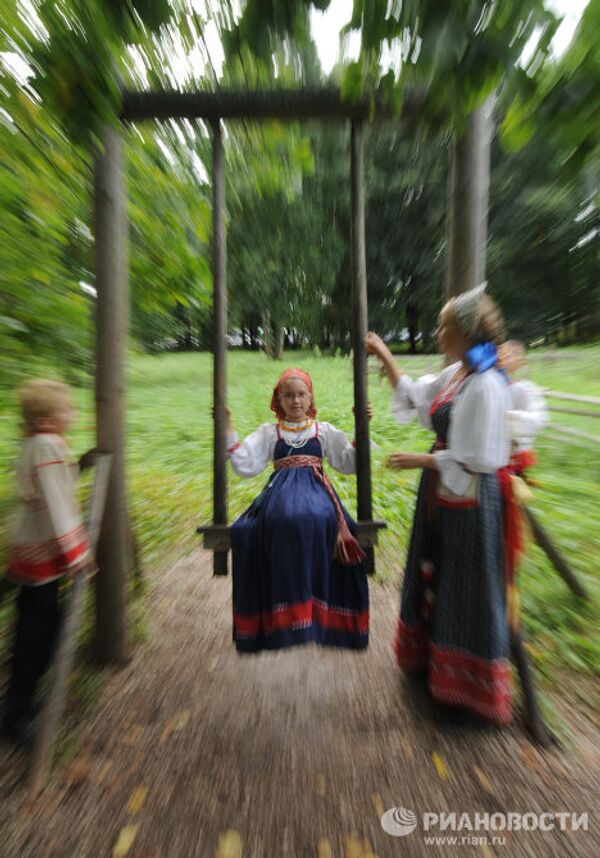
(528, 414)
(478, 440)
(255, 452)
(413, 398)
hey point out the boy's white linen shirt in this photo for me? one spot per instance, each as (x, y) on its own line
(255, 452)
(48, 520)
(528, 414)
(478, 440)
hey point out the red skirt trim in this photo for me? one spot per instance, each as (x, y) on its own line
(457, 678)
(300, 615)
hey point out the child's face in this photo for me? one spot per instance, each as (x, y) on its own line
(60, 420)
(295, 399)
(510, 358)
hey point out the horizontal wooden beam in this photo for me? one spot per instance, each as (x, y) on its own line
(217, 537)
(291, 104)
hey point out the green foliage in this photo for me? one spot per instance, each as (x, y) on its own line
(561, 102)
(74, 48)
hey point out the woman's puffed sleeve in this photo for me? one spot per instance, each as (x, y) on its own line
(528, 413)
(413, 398)
(338, 450)
(254, 453)
(478, 441)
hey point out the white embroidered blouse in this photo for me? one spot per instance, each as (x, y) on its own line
(255, 452)
(478, 440)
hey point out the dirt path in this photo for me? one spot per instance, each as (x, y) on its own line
(194, 750)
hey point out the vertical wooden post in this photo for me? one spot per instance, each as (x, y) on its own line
(359, 331)
(219, 269)
(469, 183)
(111, 258)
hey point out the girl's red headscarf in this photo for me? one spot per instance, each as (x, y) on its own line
(285, 376)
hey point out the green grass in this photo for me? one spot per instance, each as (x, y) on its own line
(169, 445)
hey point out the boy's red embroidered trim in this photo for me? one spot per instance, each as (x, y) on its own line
(53, 462)
(22, 568)
(233, 448)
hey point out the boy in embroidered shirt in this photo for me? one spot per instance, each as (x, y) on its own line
(49, 541)
(528, 414)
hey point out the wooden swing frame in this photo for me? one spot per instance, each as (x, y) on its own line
(293, 105)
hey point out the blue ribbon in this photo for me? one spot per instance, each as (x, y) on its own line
(482, 356)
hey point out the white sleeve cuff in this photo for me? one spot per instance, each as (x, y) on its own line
(452, 473)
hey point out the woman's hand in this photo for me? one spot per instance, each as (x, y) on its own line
(375, 345)
(409, 461)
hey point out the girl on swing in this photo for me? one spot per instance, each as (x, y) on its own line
(298, 574)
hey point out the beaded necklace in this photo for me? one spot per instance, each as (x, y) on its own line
(306, 425)
(303, 434)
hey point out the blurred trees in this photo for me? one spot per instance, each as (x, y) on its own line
(288, 186)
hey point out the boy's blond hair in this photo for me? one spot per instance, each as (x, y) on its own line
(40, 399)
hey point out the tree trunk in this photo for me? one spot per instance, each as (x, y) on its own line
(278, 340)
(110, 233)
(468, 203)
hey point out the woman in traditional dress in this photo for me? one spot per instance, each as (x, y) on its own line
(452, 618)
(298, 574)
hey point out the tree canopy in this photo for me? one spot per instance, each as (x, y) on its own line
(62, 66)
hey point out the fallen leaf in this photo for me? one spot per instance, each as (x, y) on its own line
(182, 719)
(407, 748)
(124, 841)
(352, 847)
(484, 780)
(324, 849)
(173, 725)
(229, 845)
(530, 758)
(378, 807)
(103, 771)
(133, 735)
(440, 766)
(321, 785)
(78, 770)
(137, 799)
(367, 851)
(486, 850)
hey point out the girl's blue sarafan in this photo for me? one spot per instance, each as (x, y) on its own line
(287, 587)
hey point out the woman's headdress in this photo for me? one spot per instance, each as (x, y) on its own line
(465, 307)
(293, 372)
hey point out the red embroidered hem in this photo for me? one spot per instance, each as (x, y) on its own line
(460, 679)
(457, 678)
(411, 646)
(301, 614)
